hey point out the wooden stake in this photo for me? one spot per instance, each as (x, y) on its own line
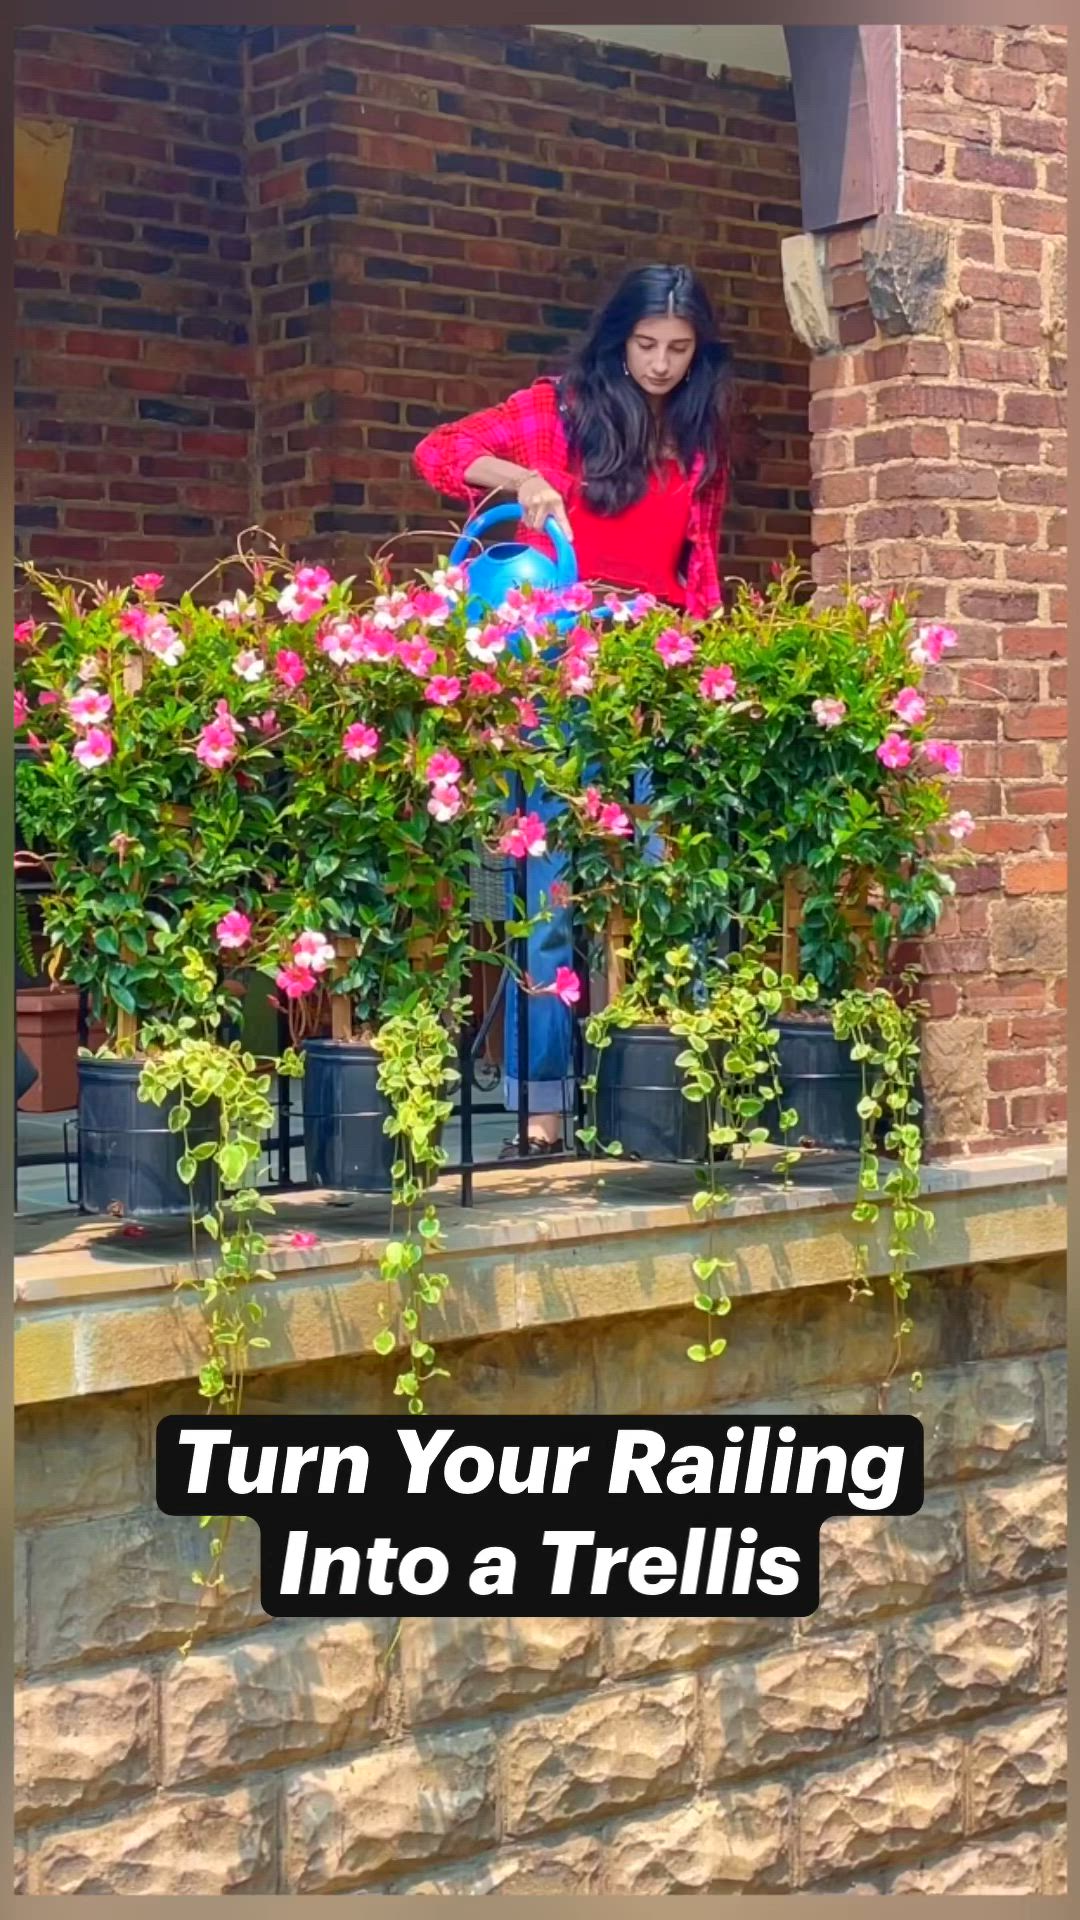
(341, 1013)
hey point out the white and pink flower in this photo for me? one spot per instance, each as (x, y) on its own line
(485, 644)
(442, 765)
(873, 606)
(343, 642)
(525, 834)
(158, 638)
(306, 593)
(577, 598)
(675, 649)
(93, 748)
(960, 824)
(417, 657)
(614, 822)
(312, 951)
(233, 930)
(90, 708)
(930, 642)
(241, 607)
(828, 712)
(894, 751)
(909, 707)
(717, 683)
(360, 742)
(449, 581)
(445, 801)
(249, 666)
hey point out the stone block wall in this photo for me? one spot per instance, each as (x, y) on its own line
(909, 1737)
(939, 461)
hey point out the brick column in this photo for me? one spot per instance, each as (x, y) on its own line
(938, 457)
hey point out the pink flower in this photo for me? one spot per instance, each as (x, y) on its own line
(294, 981)
(417, 657)
(134, 621)
(566, 986)
(485, 643)
(593, 803)
(828, 713)
(526, 713)
(960, 824)
(303, 1241)
(343, 641)
(24, 632)
(431, 608)
(675, 648)
(249, 665)
(233, 930)
(930, 643)
(443, 766)
(360, 742)
(148, 582)
(289, 668)
(874, 607)
(442, 690)
(635, 608)
(559, 894)
(482, 684)
(217, 745)
(909, 707)
(93, 748)
(227, 718)
(312, 951)
(717, 683)
(894, 751)
(576, 673)
(445, 801)
(526, 834)
(266, 723)
(615, 822)
(576, 599)
(392, 609)
(89, 708)
(306, 593)
(48, 697)
(943, 753)
(22, 708)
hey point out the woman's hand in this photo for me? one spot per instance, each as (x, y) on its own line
(539, 501)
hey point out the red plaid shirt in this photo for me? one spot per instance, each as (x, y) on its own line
(528, 429)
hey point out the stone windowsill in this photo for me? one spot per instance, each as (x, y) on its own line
(96, 1312)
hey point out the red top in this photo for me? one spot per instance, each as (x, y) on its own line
(528, 428)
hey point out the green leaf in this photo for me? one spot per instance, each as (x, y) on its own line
(697, 1352)
(384, 1341)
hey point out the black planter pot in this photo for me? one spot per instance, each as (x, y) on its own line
(345, 1146)
(822, 1082)
(127, 1155)
(639, 1099)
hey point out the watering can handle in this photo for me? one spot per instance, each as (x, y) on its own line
(565, 559)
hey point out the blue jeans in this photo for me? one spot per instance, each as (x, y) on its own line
(550, 1084)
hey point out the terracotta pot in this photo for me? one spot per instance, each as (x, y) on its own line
(47, 1024)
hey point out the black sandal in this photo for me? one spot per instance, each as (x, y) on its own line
(536, 1149)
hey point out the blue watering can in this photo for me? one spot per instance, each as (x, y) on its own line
(495, 570)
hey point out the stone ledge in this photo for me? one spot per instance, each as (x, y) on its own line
(96, 1315)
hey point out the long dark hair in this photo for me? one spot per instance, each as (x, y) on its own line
(611, 428)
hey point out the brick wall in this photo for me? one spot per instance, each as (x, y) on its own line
(435, 214)
(908, 1737)
(939, 461)
(133, 404)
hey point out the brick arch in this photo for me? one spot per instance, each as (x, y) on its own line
(845, 81)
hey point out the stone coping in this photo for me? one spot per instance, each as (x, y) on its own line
(98, 1312)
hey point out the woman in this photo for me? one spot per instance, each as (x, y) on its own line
(627, 452)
